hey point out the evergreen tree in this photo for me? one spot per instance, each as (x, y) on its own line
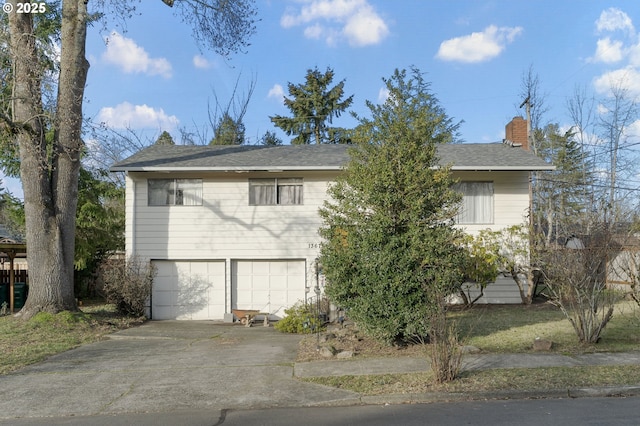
(390, 252)
(164, 139)
(561, 197)
(270, 139)
(228, 132)
(313, 106)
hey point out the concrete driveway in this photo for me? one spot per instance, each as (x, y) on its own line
(166, 366)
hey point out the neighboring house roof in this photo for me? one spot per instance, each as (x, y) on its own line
(10, 245)
(9, 237)
(497, 156)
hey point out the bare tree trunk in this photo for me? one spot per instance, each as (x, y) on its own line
(50, 164)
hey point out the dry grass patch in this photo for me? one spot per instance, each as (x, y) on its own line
(516, 379)
(27, 342)
(494, 329)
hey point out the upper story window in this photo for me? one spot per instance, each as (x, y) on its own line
(266, 192)
(175, 192)
(477, 203)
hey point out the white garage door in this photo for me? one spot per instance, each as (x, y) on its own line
(190, 290)
(267, 285)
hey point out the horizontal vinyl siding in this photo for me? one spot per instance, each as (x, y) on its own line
(226, 226)
(511, 198)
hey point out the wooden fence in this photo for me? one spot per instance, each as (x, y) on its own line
(21, 275)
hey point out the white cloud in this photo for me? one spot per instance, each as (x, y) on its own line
(626, 78)
(124, 53)
(634, 55)
(608, 51)
(478, 47)
(128, 116)
(614, 19)
(601, 109)
(383, 95)
(365, 28)
(201, 62)
(634, 129)
(276, 92)
(334, 20)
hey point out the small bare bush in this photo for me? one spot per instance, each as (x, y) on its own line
(446, 353)
(127, 284)
(576, 278)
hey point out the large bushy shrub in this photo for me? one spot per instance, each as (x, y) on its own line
(127, 284)
(390, 252)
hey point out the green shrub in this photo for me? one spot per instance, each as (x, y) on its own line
(301, 318)
(127, 284)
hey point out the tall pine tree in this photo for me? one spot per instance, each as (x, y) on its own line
(314, 105)
(561, 196)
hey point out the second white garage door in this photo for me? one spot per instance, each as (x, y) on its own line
(267, 285)
(189, 290)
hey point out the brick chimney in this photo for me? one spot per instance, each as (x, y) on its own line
(516, 133)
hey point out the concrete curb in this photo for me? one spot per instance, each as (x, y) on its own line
(433, 397)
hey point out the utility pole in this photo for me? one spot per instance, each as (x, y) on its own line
(527, 102)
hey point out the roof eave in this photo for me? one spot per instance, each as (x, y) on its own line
(504, 168)
(225, 169)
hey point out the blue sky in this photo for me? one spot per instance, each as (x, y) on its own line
(151, 76)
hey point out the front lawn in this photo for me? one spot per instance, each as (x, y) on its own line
(496, 329)
(512, 328)
(27, 342)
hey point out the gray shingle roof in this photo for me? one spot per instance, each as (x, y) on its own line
(313, 157)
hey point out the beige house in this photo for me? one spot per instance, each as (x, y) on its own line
(235, 227)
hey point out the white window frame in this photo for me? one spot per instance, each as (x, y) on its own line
(276, 191)
(477, 206)
(174, 192)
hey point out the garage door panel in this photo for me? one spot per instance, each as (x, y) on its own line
(216, 268)
(188, 290)
(165, 269)
(272, 286)
(163, 312)
(164, 284)
(166, 298)
(242, 269)
(278, 268)
(260, 268)
(296, 268)
(280, 298)
(279, 282)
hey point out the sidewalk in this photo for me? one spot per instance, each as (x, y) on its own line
(401, 365)
(364, 366)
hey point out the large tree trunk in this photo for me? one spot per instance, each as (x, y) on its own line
(50, 161)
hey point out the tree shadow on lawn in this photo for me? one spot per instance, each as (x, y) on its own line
(513, 328)
(483, 320)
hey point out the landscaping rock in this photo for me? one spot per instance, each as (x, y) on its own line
(327, 351)
(542, 344)
(344, 355)
(324, 338)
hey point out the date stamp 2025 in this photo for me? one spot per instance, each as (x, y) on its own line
(26, 7)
